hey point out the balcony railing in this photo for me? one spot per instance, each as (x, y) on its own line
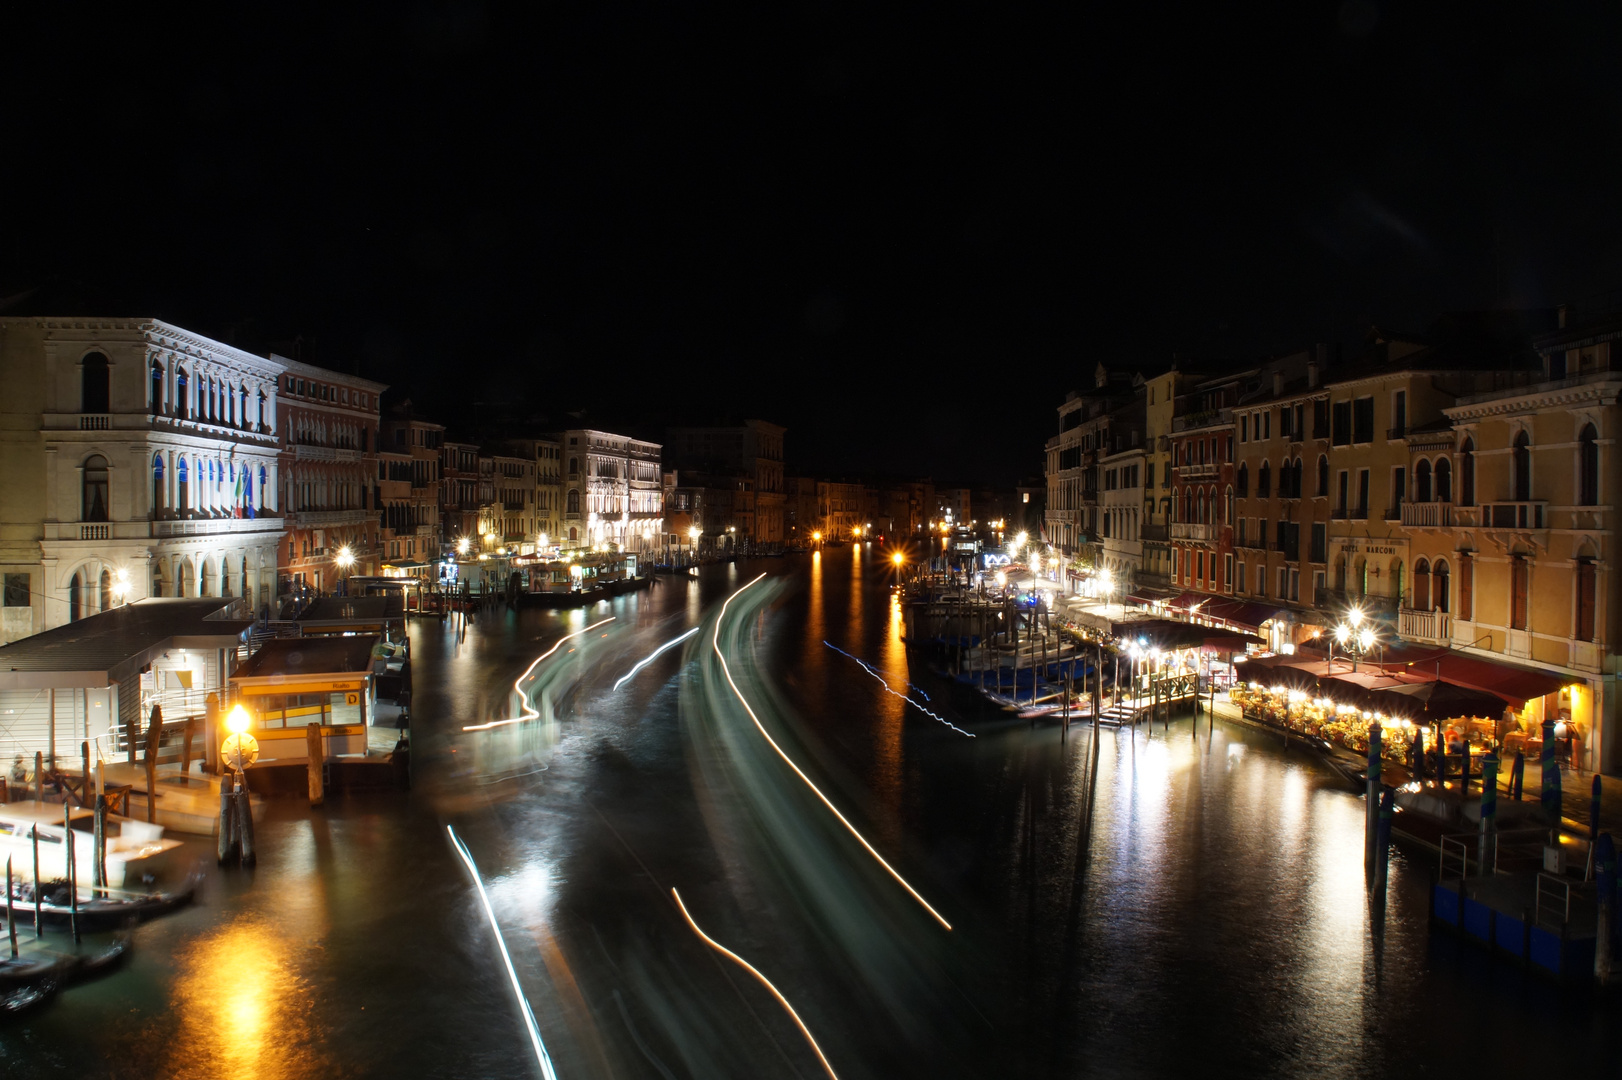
(95, 532)
(321, 519)
(1513, 515)
(1427, 515)
(95, 422)
(1205, 470)
(1193, 530)
(1425, 625)
(1203, 419)
(216, 526)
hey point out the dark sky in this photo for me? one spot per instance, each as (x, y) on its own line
(903, 234)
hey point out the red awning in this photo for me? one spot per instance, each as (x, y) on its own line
(1512, 682)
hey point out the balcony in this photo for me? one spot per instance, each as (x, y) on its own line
(1203, 471)
(1191, 530)
(311, 452)
(1432, 626)
(1427, 515)
(95, 532)
(213, 526)
(95, 422)
(325, 519)
(1156, 532)
(1513, 515)
(1205, 419)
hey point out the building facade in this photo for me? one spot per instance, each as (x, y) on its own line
(752, 451)
(613, 491)
(422, 441)
(141, 460)
(330, 494)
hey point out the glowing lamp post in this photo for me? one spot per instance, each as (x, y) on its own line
(1354, 637)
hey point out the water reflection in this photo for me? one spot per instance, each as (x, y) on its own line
(243, 1008)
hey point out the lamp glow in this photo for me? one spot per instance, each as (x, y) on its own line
(237, 722)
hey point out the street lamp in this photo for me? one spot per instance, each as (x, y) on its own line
(121, 586)
(1354, 638)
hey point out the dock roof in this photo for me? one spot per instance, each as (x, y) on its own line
(308, 657)
(105, 648)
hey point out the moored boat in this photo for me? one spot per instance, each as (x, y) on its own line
(137, 852)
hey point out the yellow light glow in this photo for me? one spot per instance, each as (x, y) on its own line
(693, 533)
(237, 722)
(816, 535)
(898, 558)
(345, 557)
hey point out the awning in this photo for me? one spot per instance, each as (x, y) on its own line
(1176, 634)
(1148, 594)
(1237, 612)
(1406, 663)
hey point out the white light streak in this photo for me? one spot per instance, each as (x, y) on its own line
(523, 1002)
(529, 713)
(655, 656)
(767, 983)
(889, 690)
(715, 643)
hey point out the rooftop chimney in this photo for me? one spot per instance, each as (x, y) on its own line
(1278, 384)
(1312, 374)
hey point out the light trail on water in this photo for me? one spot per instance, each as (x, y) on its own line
(715, 643)
(767, 983)
(890, 690)
(529, 713)
(655, 656)
(506, 957)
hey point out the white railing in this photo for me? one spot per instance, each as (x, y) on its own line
(1432, 515)
(95, 422)
(215, 526)
(1424, 625)
(1190, 530)
(1205, 470)
(321, 519)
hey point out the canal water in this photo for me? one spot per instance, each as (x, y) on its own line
(825, 810)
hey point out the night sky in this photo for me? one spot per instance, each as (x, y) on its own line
(903, 235)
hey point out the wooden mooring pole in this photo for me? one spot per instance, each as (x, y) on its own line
(312, 736)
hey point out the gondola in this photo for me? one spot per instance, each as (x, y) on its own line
(97, 913)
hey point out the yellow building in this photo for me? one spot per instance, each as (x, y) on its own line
(1160, 405)
(1535, 491)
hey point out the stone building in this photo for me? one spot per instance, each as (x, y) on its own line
(141, 459)
(329, 475)
(421, 440)
(753, 451)
(613, 491)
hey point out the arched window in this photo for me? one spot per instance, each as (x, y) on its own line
(93, 506)
(105, 597)
(1440, 592)
(1467, 586)
(182, 487)
(1323, 475)
(1444, 480)
(1422, 493)
(1243, 480)
(184, 578)
(262, 489)
(1264, 481)
(94, 393)
(75, 599)
(157, 388)
(1520, 575)
(1422, 585)
(1521, 464)
(207, 586)
(1588, 468)
(1360, 576)
(1227, 509)
(158, 492)
(1587, 579)
(1467, 473)
(157, 579)
(1296, 473)
(182, 395)
(225, 577)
